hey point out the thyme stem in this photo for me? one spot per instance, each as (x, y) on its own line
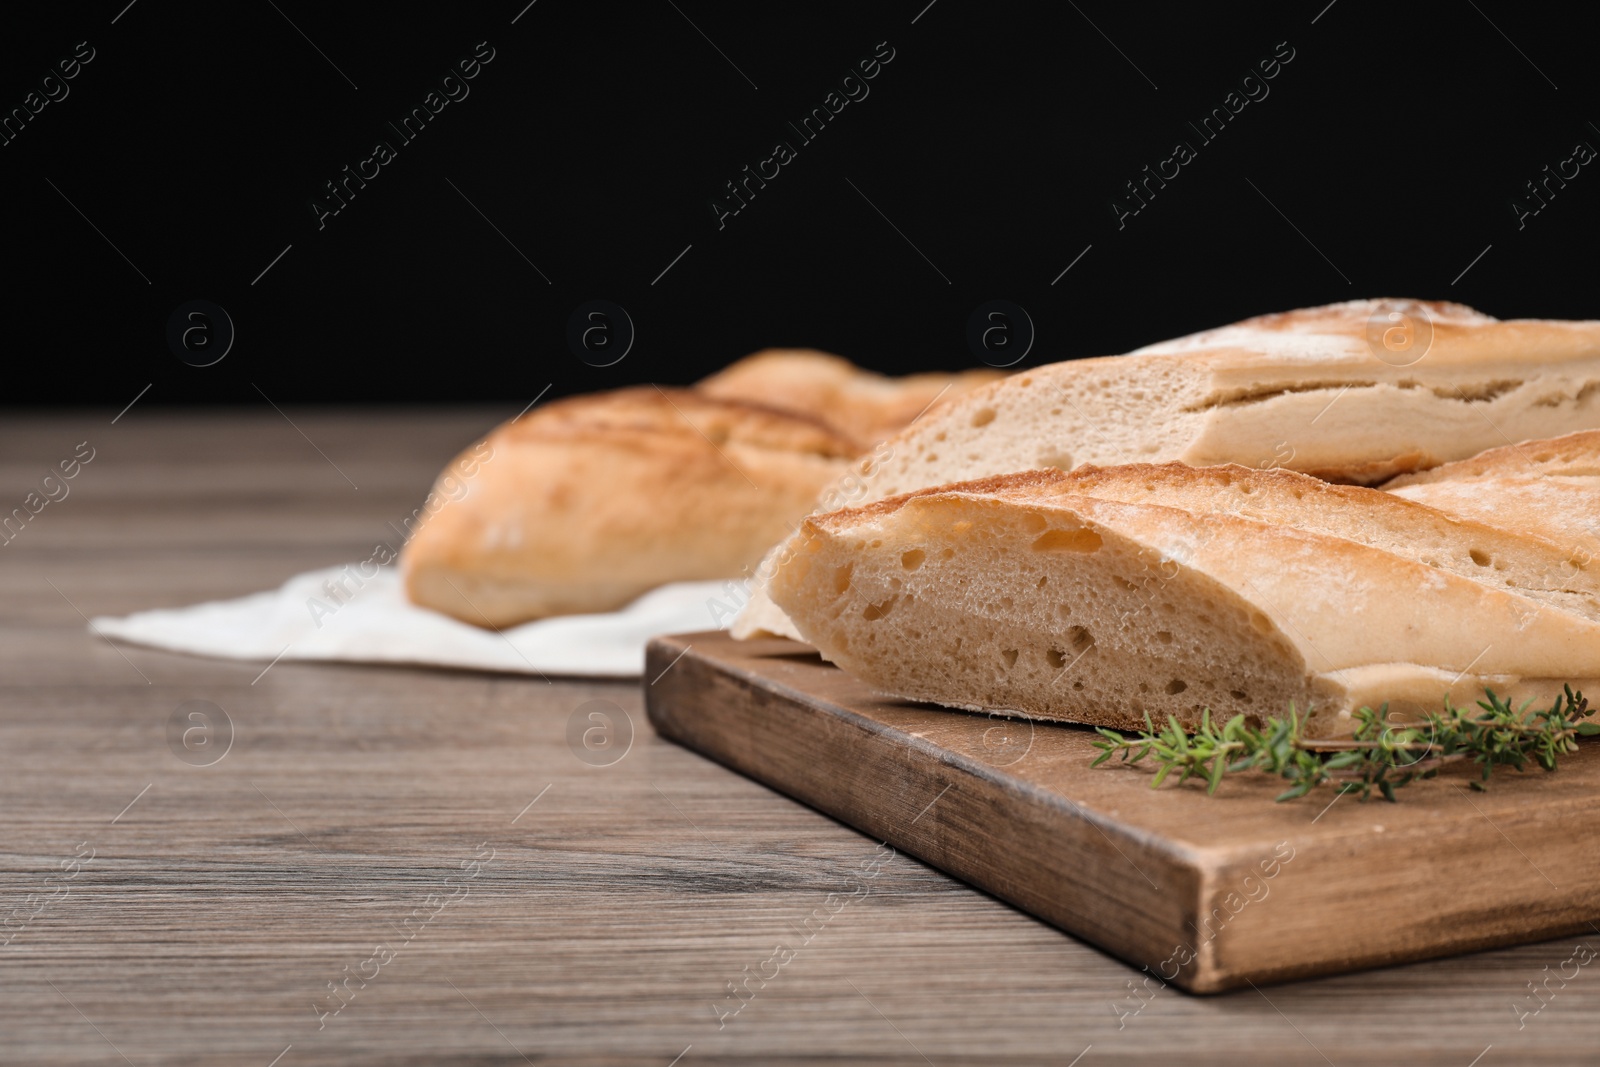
(1380, 756)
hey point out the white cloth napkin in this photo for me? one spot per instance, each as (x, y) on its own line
(377, 624)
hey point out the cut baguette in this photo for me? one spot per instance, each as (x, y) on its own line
(1013, 593)
(1303, 390)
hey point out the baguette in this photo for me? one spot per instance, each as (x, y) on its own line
(1018, 593)
(1302, 390)
(585, 504)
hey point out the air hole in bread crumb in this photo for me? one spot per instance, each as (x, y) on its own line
(1239, 695)
(1055, 658)
(932, 457)
(1010, 656)
(1079, 540)
(1044, 579)
(940, 436)
(841, 577)
(874, 612)
(1081, 639)
(913, 559)
(948, 553)
(1144, 687)
(1164, 637)
(1176, 686)
(983, 416)
(1077, 685)
(1479, 557)
(1260, 623)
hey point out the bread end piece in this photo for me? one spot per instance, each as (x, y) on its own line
(976, 603)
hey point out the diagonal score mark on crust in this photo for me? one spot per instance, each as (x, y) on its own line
(708, 440)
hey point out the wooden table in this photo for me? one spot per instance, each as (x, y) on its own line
(186, 915)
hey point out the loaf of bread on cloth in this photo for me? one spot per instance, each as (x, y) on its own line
(583, 504)
(1548, 489)
(1105, 595)
(1357, 392)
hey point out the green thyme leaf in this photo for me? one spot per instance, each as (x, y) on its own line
(1378, 756)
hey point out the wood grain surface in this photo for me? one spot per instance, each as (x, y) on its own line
(1207, 892)
(220, 902)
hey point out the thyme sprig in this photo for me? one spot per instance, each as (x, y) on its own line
(1380, 756)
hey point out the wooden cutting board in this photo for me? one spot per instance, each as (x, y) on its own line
(1208, 893)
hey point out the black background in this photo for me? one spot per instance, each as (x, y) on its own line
(1384, 160)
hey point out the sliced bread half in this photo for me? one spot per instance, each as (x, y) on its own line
(1017, 593)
